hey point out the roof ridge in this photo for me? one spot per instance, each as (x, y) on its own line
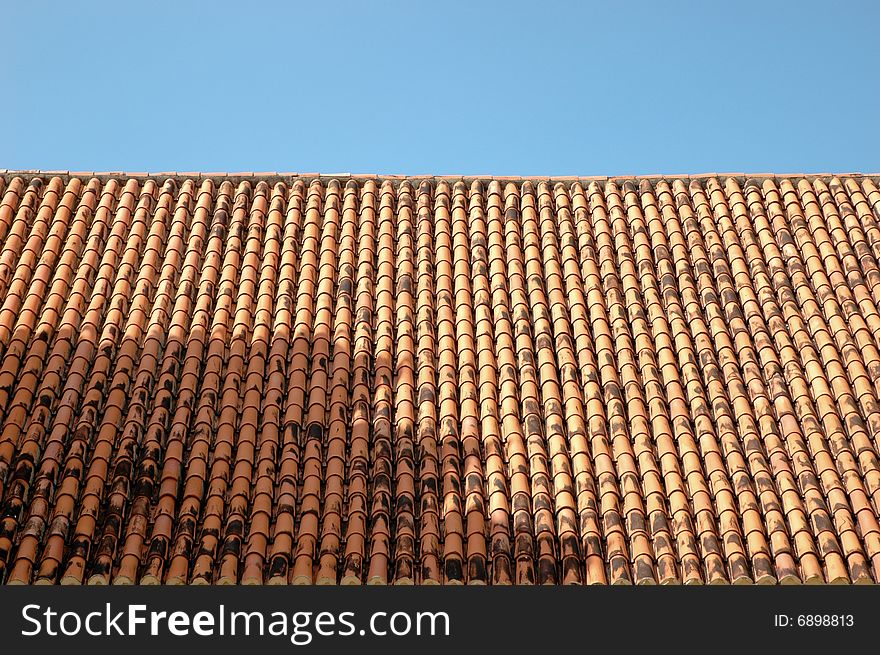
(396, 178)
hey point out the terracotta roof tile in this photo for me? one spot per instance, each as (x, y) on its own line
(272, 378)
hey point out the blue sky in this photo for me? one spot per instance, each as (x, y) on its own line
(503, 88)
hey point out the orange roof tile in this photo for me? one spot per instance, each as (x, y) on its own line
(271, 378)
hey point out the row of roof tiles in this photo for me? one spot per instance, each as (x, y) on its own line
(276, 176)
(360, 381)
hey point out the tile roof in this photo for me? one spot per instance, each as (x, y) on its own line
(267, 378)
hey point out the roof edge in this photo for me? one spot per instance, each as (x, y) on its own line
(273, 176)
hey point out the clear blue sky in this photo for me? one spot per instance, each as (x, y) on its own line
(504, 88)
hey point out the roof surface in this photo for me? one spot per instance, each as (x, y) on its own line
(298, 379)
